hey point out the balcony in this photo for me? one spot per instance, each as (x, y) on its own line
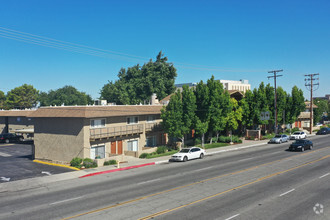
(153, 127)
(110, 132)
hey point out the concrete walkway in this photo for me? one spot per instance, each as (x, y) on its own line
(132, 164)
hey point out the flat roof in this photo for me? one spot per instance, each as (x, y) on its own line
(16, 113)
(96, 111)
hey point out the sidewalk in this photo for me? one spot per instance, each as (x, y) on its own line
(135, 163)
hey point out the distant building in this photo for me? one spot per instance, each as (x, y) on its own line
(326, 97)
(241, 85)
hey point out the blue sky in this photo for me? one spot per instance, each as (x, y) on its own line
(231, 40)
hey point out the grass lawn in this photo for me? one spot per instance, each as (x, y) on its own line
(154, 155)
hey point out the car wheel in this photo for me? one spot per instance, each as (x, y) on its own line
(185, 159)
(311, 147)
(201, 156)
(7, 141)
(20, 139)
(302, 149)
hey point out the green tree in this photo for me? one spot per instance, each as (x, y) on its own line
(218, 107)
(202, 112)
(2, 99)
(136, 84)
(22, 97)
(68, 95)
(188, 110)
(247, 104)
(322, 109)
(298, 103)
(234, 116)
(281, 104)
(172, 117)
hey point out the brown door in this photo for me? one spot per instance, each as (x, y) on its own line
(120, 147)
(113, 147)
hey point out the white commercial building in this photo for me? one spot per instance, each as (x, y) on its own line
(242, 85)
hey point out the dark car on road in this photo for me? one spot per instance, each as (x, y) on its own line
(10, 137)
(301, 145)
(323, 131)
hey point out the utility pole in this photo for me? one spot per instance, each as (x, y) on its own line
(275, 104)
(309, 85)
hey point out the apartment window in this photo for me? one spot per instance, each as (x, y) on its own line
(151, 118)
(132, 145)
(132, 120)
(98, 123)
(151, 141)
(98, 152)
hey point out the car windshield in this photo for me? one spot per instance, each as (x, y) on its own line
(278, 136)
(300, 141)
(296, 133)
(184, 151)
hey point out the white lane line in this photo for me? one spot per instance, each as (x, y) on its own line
(5, 155)
(232, 217)
(67, 200)
(148, 181)
(287, 192)
(250, 158)
(324, 175)
(206, 168)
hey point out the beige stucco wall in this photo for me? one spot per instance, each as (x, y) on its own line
(59, 139)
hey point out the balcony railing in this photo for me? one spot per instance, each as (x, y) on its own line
(153, 127)
(109, 132)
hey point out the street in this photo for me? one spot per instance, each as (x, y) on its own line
(264, 182)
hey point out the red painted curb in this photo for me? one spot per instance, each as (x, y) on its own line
(119, 169)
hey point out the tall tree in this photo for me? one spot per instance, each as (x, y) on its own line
(2, 99)
(172, 117)
(234, 116)
(218, 107)
(321, 110)
(202, 113)
(188, 110)
(21, 97)
(67, 95)
(136, 84)
(298, 103)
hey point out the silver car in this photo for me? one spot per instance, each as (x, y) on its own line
(279, 138)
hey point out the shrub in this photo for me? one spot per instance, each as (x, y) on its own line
(89, 163)
(76, 162)
(294, 129)
(143, 155)
(227, 139)
(198, 141)
(109, 162)
(161, 149)
(214, 139)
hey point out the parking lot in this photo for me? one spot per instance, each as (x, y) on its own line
(16, 164)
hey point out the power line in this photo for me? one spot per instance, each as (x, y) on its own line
(98, 52)
(275, 103)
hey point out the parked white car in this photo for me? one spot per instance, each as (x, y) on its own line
(298, 135)
(188, 154)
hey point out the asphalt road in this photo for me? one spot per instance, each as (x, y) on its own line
(16, 163)
(264, 182)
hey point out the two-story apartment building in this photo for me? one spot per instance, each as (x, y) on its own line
(96, 132)
(12, 121)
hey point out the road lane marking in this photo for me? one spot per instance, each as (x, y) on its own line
(287, 192)
(232, 217)
(148, 181)
(206, 168)
(324, 175)
(232, 189)
(191, 184)
(5, 155)
(250, 158)
(67, 200)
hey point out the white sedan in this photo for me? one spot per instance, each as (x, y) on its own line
(298, 135)
(188, 154)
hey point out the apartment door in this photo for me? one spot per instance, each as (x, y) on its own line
(120, 147)
(113, 148)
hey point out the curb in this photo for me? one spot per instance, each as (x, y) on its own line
(54, 164)
(165, 161)
(119, 169)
